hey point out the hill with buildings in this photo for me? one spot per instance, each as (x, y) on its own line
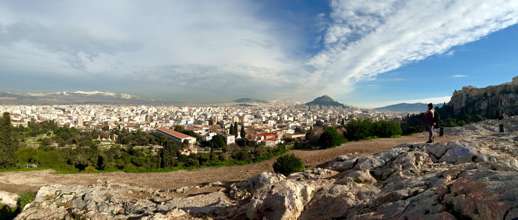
(325, 101)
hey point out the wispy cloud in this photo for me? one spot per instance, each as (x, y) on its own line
(459, 76)
(220, 49)
(367, 38)
(198, 47)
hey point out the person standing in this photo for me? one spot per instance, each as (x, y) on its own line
(429, 120)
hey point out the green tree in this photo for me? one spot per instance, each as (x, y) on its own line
(243, 132)
(7, 142)
(235, 129)
(218, 141)
(330, 138)
(100, 165)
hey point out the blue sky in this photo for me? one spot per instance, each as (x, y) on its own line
(362, 52)
(488, 61)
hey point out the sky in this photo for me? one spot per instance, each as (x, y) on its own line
(361, 52)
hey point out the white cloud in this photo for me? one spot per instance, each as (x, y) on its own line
(127, 40)
(367, 38)
(223, 49)
(434, 100)
(459, 76)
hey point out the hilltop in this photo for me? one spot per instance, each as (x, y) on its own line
(324, 101)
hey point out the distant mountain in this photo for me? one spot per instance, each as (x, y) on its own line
(325, 101)
(75, 97)
(403, 107)
(249, 100)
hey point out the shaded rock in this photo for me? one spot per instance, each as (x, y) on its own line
(459, 153)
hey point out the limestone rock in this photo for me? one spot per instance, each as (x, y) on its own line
(9, 199)
(285, 200)
(475, 177)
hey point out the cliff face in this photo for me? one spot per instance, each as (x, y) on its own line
(488, 102)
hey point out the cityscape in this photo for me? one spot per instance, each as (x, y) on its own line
(258, 110)
(280, 120)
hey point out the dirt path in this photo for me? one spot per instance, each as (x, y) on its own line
(32, 180)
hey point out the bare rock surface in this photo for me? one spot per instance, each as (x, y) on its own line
(474, 177)
(8, 199)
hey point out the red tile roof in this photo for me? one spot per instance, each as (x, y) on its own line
(268, 136)
(174, 133)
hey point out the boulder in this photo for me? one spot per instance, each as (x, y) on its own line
(285, 200)
(459, 153)
(9, 199)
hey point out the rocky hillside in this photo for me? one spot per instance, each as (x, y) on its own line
(324, 101)
(475, 177)
(487, 102)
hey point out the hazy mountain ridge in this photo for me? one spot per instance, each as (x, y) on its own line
(70, 97)
(249, 100)
(403, 107)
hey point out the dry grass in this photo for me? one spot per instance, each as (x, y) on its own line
(32, 180)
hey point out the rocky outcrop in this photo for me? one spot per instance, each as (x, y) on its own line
(475, 177)
(489, 102)
(115, 201)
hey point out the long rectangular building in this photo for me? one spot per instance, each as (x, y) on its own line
(177, 136)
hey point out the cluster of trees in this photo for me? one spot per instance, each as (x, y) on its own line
(359, 129)
(234, 130)
(71, 150)
(354, 130)
(447, 118)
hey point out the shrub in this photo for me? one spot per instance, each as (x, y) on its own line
(288, 164)
(25, 198)
(359, 129)
(365, 128)
(90, 169)
(330, 138)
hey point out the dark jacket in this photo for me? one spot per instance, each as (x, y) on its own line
(429, 118)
